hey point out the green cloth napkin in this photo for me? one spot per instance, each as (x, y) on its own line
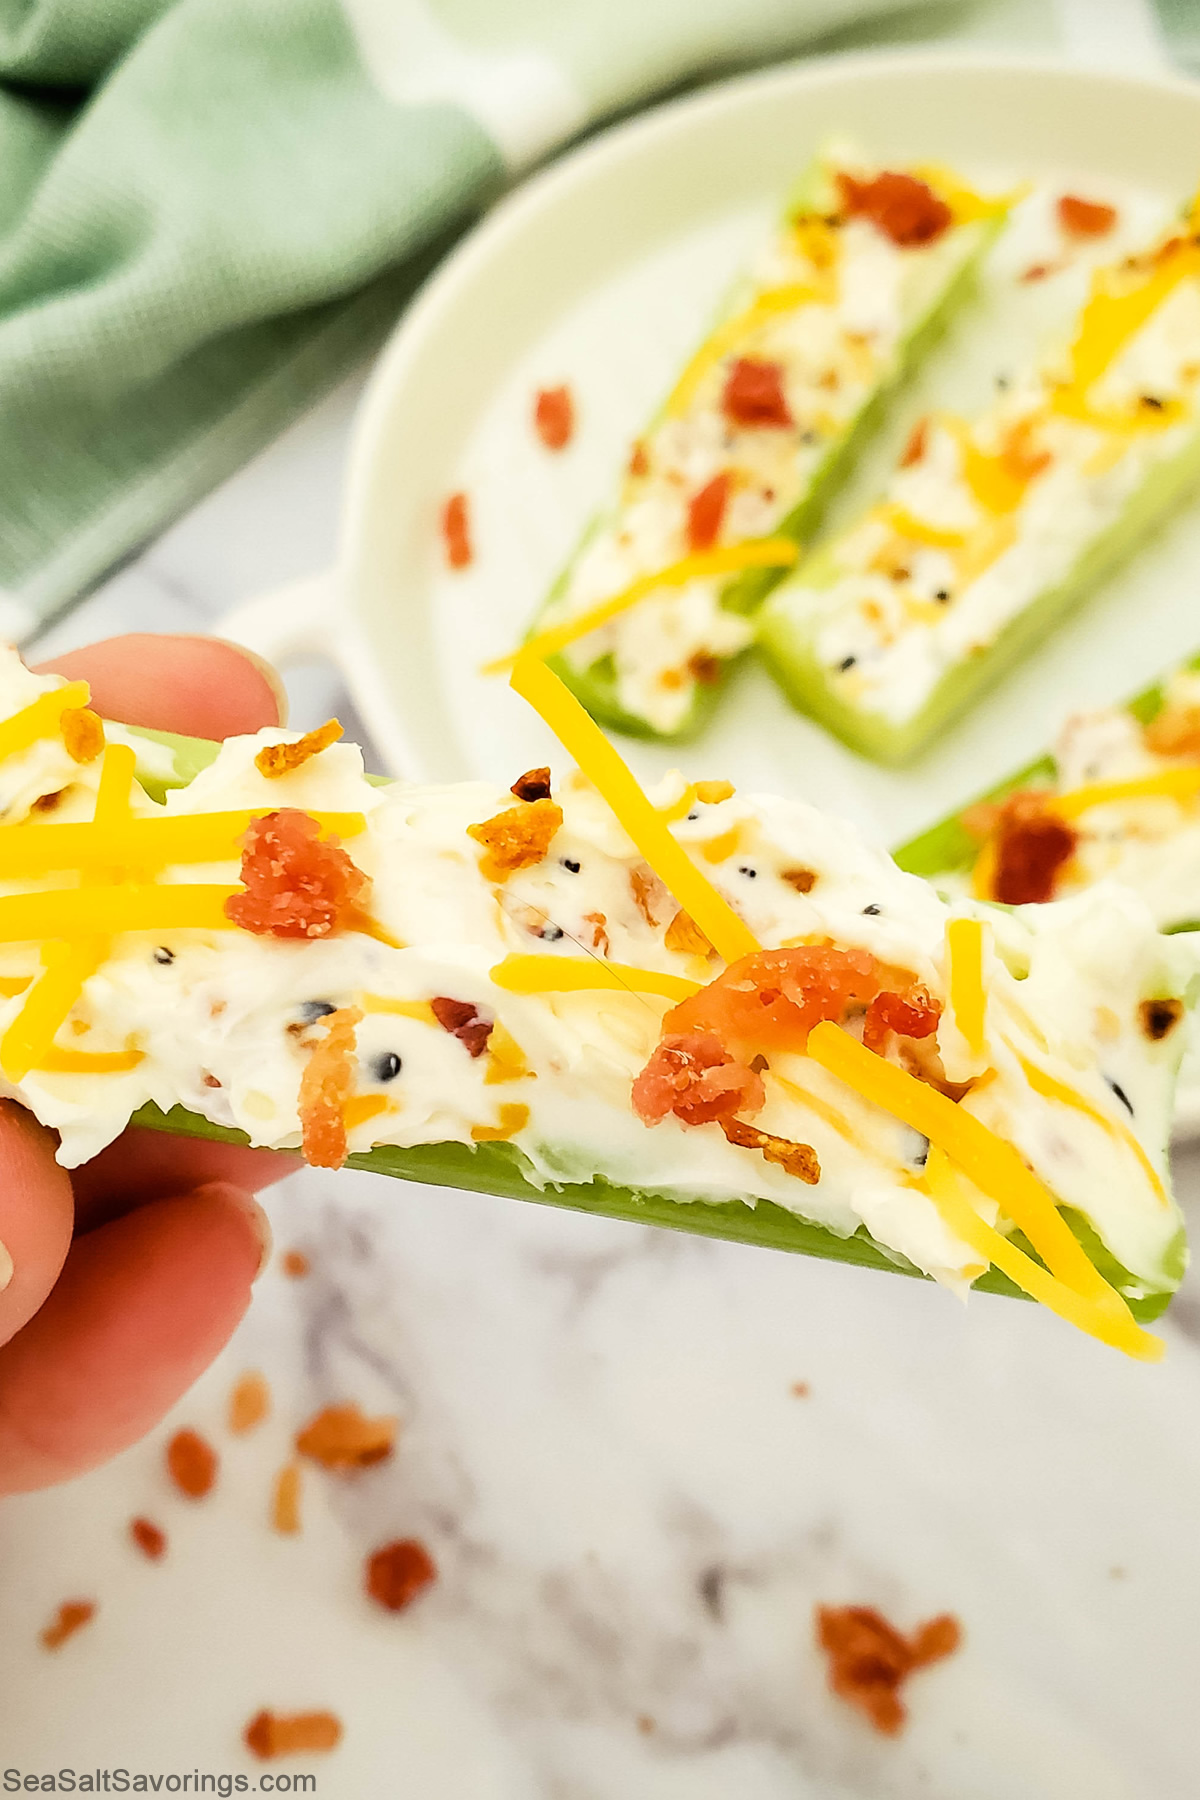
(210, 209)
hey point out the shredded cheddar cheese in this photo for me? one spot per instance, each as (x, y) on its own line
(89, 1062)
(26, 1043)
(735, 331)
(1051, 1088)
(570, 974)
(147, 843)
(968, 999)
(78, 913)
(514, 1116)
(42, 719)
(362, 1107)
(1167, 784)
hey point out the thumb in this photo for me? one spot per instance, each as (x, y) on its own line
(36, 1216)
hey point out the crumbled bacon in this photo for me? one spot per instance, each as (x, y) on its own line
(82, 733)
(899, 205)
(803, 880)
(1037, 272)
(274, 760)
(71, 1617)
(249, 1403)
(150, 1538)
(696, 1078)
(706, 510)
(1158, 1017)
(295, 1265)
(773, 998)
(639, 461)
(795, 1159)
(398, 1572)
(297, 884)
(325, 1086)
(1174, 731)
(753, 393)
(914, 449)
(1032, 845)
(869, 1660)
(285, 1501)
(517, 838)
(1085, 218)
(342, 1437)
(461, 1019)
(456, 532)
(913, 1014)
(192, 1463)
(283, 1734)
(1019, 456)
(534, 784)
(599, 925)
(685, 935)
(554, 417)
(705, 668)
(648, 893)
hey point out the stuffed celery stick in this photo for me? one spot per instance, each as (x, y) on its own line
(698, 1008)
(759, 428)
(990, 528)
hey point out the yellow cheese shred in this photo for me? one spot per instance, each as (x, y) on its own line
(1051, 1088)
(27, 1041)
(1115, 312)
(88, 1062)
(13, 984)
(945, 1186)
(42, 719)
(572, 974)
(147, 843)
(78, 913)
(968, 999)
(361, 1107)
(919, 531)
(583, 740)
(726, 559)
(993, 1165)
(514, 1117)
(1169, 784)
(769, 305)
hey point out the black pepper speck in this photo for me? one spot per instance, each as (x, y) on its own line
(1122, 1096)
(872, 909)
(387, 1066)
(312, 1010)
(570, 865)
(163, 955)
(847, 662)
(750, 873)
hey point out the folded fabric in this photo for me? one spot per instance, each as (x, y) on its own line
(210, 209)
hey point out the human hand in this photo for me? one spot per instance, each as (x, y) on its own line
(131, 1273)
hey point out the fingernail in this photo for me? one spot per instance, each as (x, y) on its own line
(253, 1213)
(269, 673)
(6, 1267)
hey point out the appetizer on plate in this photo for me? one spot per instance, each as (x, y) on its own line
(699, 1008)
(990, 528)
(759, 428)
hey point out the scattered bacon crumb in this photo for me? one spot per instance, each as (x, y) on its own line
(914, 1014)
(1174, 731)
(294, 1264)
(71, 1617)
(869, 1660)
(461, 1019)
(800, 1160)
(639, 461)
(192, 1463)
(801, 1390)
(1037, 272)
(685, 935)
(533, 785)
(599, 925)
(914, 449)
(706, 510)
(554, 417)
(646, 1725)
(753, 393)
(275, 760)
(298, 884)
(773, 998)
(46, 803)
(285, 1501)
(803, 880)
(150, 1539)
(648, 892)
(693, 1076)
(325, 1086)
(1085, 218)
(283, 1734)
(517, 838)
(398, 1572)
(342, 1437)
(249, 1403)
(1032, 844)
(82, 734)
(705, 668)
(902, 207)
(1158, 1017)
(456, 532)
(1020, 456)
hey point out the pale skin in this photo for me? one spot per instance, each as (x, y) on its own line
(131, 1273)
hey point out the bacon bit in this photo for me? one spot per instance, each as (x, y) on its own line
(1037, 272)
(275, 760)
(1158, 1017)
(249, 1403)
(639, 461)
(803, 880)
(918, 439)
(554, 417)
(342, 1437)
(298, 884)
(192, 1464)
(914, 1014)
(1019, 457)
(646, 1725)
(801, 1390)
(753, 394)
(533, 785)
(1174, 731)
(1032, 845)
(295, 1265)
(461, 1019)
(150, 1539)
(456, 532)
(772, 998)
(599, 925)
(71, 1617)
(901, 207)
(285, 1501)
(325, 1086)
(648, 894)
(869, 1660)
(82, 734)
(283, 1734)
(1085, 218)
(46, 803)
(685, 935)
(795, 1159)
(706, 510)
(704, 668)
(517, 838)
(398, 1572)
(695, 1077)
